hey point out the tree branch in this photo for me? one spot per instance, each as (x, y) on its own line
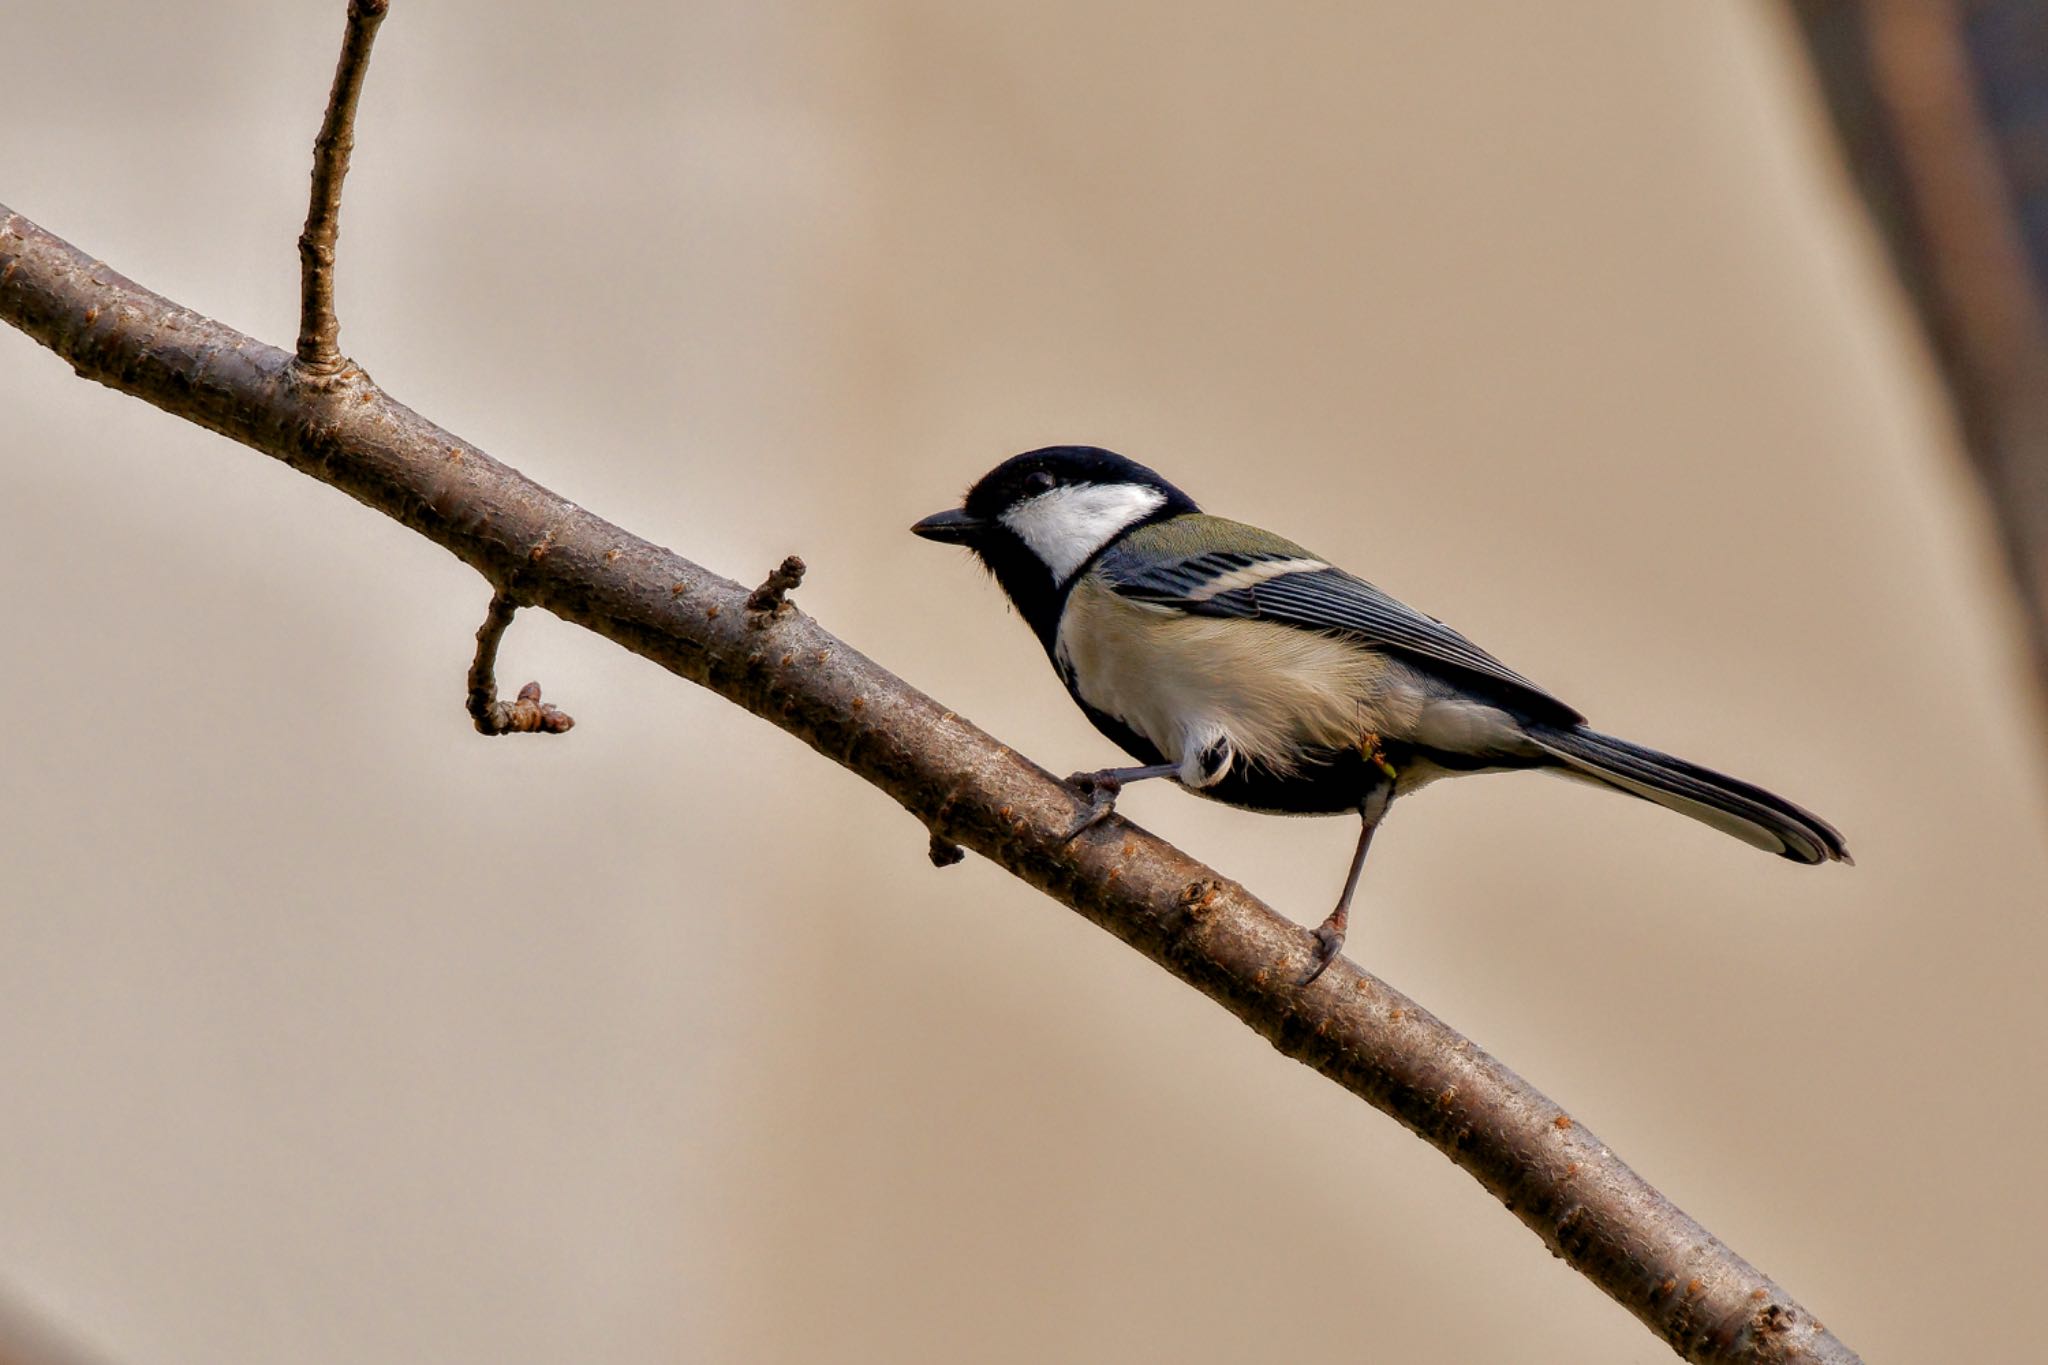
(527, 714)
(965, 787)
(1557, 1177)
(319, 332)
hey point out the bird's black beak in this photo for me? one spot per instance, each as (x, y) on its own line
(952, 526)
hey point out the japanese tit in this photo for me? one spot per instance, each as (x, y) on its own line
(1256, 673)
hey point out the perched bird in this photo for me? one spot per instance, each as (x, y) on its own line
(1256, 673)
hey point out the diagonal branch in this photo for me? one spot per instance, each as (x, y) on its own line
(968, 789)
(319, 350)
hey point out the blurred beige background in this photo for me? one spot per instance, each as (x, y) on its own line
(331, 1031)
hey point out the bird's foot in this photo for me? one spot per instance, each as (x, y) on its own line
(1101, 788)
(1329, 942)
(1369, 745)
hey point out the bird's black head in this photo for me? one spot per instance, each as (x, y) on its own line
(1038, 519)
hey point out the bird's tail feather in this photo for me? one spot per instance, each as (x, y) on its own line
(1751, 814)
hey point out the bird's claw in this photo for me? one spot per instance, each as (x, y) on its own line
(1376, 755)
(1329, 942)
(1101, 789)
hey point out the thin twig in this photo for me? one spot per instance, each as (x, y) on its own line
(1559, 1179)
(319, 351)
(527, 715)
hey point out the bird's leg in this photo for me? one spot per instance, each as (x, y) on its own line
(1330, 933)
(1102, 787)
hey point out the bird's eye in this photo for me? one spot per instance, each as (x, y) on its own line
(1038, 481)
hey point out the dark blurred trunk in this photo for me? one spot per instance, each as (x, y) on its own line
(1942, 106)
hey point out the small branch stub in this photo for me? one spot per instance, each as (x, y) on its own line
(525, 715)
(319, 351)
(768, 598)
(944, 852)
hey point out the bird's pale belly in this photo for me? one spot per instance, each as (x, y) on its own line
(1298, 711)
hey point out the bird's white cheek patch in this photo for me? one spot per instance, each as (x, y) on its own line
(1067, 525)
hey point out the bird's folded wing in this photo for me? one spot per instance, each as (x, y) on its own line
(1291, 587)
